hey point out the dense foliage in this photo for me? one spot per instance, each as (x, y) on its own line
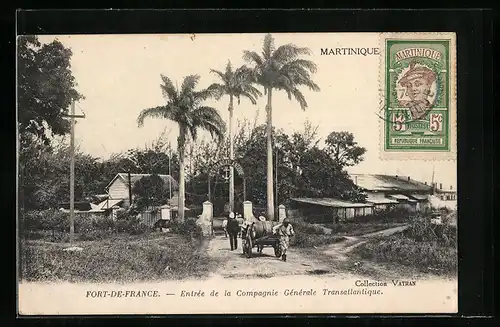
(150, 191)
(46, 87)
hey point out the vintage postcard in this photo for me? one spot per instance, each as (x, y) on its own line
(282, 173)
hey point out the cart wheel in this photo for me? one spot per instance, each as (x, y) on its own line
(249, 247)
(277, 251)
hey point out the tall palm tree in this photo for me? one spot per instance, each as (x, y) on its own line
(185, 107)
(280, 69)
(236, 84)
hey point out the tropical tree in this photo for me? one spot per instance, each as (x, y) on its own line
(281, 69)
(185, 107)
(46, 87)
(343, 149)
(235, 84)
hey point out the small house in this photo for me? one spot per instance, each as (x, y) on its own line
(120, 188)
(328, 210)
(386, 191)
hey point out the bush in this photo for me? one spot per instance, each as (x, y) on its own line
(301, 227)
(94, 227)
(83, 224)
(94, 235)
(423, 255)
(189, 229)
(395, 214)
(137, 228)
(50, 219)
(422, 230)
(127, 222)
(103, 223)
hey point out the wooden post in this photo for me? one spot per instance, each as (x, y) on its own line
(169, 174)
(72, 173)
(276, 182)
(72, 177)
(129, 190)
(244, 189)
(209, 190)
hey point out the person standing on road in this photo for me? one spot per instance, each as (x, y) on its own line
(233, 228)
(284, 231)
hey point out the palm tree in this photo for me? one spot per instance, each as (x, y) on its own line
(185, 107)
(236, 84)
(280, 69)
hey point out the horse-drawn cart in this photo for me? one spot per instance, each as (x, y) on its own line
(259, 235)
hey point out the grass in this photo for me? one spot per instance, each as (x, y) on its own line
(119, 258)
(426, 256)
(311, 240)
(314, 235)
(360, 228)
(311, 235)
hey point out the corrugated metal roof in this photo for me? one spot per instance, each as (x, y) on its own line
(381, 201)
(402, 197)
(331, 202)
(374, 182)
(108, 204)
(399, 196)
(84, 211)
(80, 206)
(136, 177)
(421, 197)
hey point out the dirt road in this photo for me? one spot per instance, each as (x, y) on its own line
(330, 260)
(234, 264)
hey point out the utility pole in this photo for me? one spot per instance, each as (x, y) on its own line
(72, 174)
(129, 189)
(169, 174)
(276, 182)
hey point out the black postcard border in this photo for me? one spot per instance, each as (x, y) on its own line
(474, 89)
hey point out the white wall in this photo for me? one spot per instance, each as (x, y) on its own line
(118, 190)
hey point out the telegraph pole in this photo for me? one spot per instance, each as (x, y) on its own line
(169, 174)
(276, 181)
(72, 174)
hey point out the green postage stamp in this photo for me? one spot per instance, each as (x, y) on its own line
(419, 96)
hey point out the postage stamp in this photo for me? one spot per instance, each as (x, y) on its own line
(419, 101)
(235, 173)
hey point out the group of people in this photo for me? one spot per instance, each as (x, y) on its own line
(232, 229)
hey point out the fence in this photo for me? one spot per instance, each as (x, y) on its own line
(150, 217)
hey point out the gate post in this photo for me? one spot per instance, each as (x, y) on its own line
(205, 220)
(281, 212)
(247, 210)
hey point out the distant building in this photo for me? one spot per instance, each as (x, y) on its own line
(385, 191)
(328, 210)
(118, 189)
(445, 194)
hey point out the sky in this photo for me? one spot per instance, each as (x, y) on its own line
(119, 75)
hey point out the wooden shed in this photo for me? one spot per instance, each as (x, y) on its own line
(328, 210)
